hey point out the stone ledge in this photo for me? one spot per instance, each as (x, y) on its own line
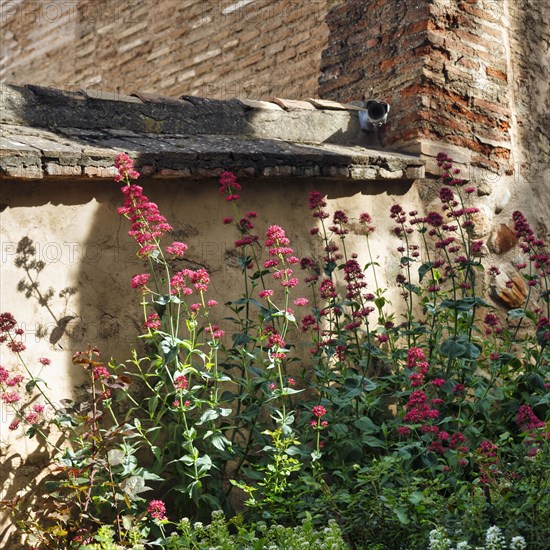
(46, 132)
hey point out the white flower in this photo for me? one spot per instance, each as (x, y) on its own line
(494, 539)
(518, 543)
(439, 540)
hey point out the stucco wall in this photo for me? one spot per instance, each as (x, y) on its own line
(84, 243)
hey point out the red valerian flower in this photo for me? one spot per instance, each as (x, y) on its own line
(140, 281)
(216, 332)
(318, 411)
(10, 397)
(7, 322)
(526, 419)
(177, 249)
(157, 510)
(16, 347)
(153, 322)
(101, 372)
(181, 382)
(125, 166)
(316, 200)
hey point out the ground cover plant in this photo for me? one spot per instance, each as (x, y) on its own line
(393, 431)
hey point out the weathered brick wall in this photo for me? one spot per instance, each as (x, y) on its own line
(216, 48)
(377, 48)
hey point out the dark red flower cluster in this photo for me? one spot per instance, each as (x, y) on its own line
(355, 279)
(339, 220)
(245, 227)
(309, 323)
(527, 420)
(366, 221)
(317, 203)
(327, 290)
(534, 247)
(228, 186)
(450, 175)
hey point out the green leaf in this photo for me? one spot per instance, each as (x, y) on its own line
(452, 348)
(517, 313)
(372, 441)
(33, 382)
(365, 424)
(423, 269)
(115, 457)
(207, 416)
(204, 464)
(169, 349)
(290, 391)
(220, 442)
(460, 347)
(402, 515)
(412, 288)
(133, 485)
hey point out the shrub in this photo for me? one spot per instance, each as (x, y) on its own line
(391, 428)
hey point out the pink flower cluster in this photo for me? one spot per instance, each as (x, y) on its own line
(140, 281)
(181, 382)
(199, 279)
(148, 224)
(157, 510)
(281, 256)
(125, 166)
(215, 331)
(417, 361)
(418, 409)
(318, 411)
(152, 322)
(10, 382)
(100, 372)
(275, 342)
(177, 249)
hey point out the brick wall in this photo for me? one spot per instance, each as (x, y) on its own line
(220, 49)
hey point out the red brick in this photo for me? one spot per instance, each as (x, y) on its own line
(495, 73)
